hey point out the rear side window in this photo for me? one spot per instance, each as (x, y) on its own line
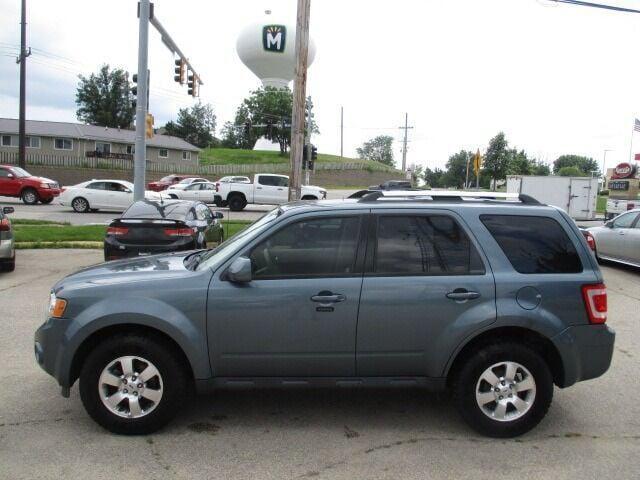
(424, 245)
(534, 244)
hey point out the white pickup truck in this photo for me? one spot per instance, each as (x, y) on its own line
(267, 189)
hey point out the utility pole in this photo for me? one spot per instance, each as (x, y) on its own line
(404, 143)
(22, 60)
(140, 159)
(299, 92)
(466, 178)
(307, 145)
(341, 132)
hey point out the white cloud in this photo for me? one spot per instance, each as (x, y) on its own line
(556, 79)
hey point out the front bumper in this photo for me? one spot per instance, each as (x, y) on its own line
(586, 352)
(48, 193)
(49, 348)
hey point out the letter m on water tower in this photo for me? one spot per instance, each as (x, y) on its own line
(274, 38)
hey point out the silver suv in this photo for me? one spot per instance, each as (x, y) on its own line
(495, 301)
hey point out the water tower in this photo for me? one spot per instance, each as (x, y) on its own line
(267, 47)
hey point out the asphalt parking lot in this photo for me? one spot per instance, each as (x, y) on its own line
(592, 429)
(58, 213)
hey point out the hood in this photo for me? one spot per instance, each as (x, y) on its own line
(42, 180)
(313, 187)
(127, 271)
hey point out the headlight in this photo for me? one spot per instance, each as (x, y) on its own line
(44, 185)
(57, 306)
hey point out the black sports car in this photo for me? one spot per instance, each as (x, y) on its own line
(148, 227)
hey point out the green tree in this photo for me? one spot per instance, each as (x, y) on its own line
(456, 169)
(585, 164)
(433, 178)
(570, 171)
(195, 125)
(519, 163)
(378, 149)
(105, 99)
(266, 112)
(496, 159)
(539, 168)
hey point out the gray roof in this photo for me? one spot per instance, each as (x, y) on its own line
(92, 132)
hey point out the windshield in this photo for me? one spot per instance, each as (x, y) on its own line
(215, 257)
(19, 172)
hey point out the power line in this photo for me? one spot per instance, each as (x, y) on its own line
(597, 5)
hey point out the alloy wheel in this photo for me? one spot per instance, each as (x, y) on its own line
(505, 391)
(130, 387)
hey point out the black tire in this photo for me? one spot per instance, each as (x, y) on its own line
(467, 377)
(237, 202)
(309, 197)
(29, 196)
(8, 266)
(174, 375)
(80, 205)
(47, 201)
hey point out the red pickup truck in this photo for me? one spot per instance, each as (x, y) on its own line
(17, 182)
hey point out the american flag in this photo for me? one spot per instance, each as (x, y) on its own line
(636, 126)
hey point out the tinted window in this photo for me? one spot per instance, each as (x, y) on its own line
(4, 173)
(625, 220)
(116, 187)
(319, 247)
(424, 245)
(267, 180)
(534, 244)
(97, 186)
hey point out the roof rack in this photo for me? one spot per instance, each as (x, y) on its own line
(447, 196)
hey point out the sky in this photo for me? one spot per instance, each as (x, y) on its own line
(557, 79)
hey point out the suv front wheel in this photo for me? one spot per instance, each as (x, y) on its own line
(132, 384)
(503, 389)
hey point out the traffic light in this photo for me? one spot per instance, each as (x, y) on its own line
(149, 126)
(192, 85)
(180, 71)
(314, 152)
(134, 89)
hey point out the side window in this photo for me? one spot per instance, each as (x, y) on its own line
(424, 245)
(116, 187)
(97, 186)
(625, 220)
(4, 173)
(267, 180)
(282, 181)
(201, 212)
(318, 247)
(533, 244)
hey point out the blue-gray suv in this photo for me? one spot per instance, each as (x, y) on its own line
(493, 300)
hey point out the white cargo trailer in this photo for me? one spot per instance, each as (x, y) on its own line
(575, 195)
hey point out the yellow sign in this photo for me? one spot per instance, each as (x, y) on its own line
(477, 163)
(149, 126)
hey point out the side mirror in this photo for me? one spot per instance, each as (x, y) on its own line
(7, 210)
(126, 190)
(609, 224)
(218, 215)
(240, 270)
(10, 175)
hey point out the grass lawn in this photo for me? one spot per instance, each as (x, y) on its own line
(601, 203)
(235, 156)
(28, 221)
(28, 235)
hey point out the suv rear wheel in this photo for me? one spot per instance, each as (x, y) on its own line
(132, 384)
(29, 196)
(503, 389)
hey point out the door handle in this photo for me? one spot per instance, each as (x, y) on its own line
(280, 189)
(328, 297)
(258, 188)
(462, 295)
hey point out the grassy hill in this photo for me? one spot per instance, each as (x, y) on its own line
(233, 156)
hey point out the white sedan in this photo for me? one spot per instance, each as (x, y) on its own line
(187, 181)
(203, 191)
(94, 195)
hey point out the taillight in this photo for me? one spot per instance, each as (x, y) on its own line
(179, 232)
(117, 231)
(590, 241)
(595, 301)
(5, 225)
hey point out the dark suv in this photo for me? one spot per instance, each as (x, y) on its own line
(494, 300)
